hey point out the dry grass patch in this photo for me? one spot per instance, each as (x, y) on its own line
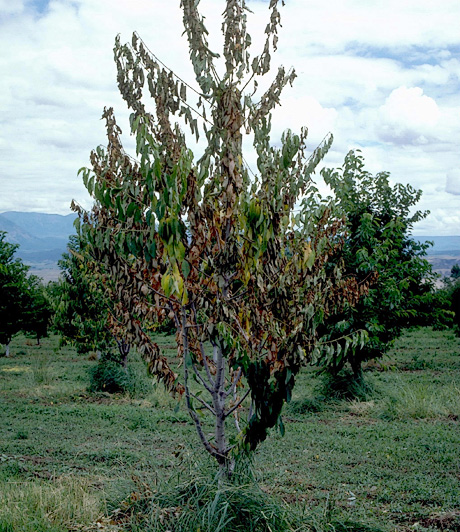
(39, 506)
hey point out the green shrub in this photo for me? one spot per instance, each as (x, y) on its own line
(111, 377)
(345, 385)
(166, 327)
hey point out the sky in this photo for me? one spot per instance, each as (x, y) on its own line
(382, 75)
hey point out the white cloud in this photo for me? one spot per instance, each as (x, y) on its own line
(391, 23)
(297, 112)
(453, 182)
(11, 7)
(392, 93)
(408, 117)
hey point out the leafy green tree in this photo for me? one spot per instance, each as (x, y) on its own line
(80, 314)
(37, 311)
(12, 275)
(14, 292)
(80, 308)
(378, 247)
(451, 292)
(222, 254)
(433, 309)
(455, 305)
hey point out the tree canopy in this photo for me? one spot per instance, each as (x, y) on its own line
(23, 304)
(80, 308)
(238, 261)
(378, 247)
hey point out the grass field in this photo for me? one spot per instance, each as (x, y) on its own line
(68, 459)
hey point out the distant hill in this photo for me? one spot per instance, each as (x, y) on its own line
(42, 239)
(42, 225)
(443, 245)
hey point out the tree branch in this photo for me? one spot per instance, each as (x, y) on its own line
(235, 380)
(204, 403)
(203, 353)
(234, 407)
(200, 378)
(211, 450)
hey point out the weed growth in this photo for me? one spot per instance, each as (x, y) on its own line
(42, 371)
(48, 507)
(207, 503)
(421, 400)
(397, 452)
(345, 385)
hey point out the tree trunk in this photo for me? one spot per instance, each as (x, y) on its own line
(124, 349)
(357, 369)
(7, 352)
(226, 462)
(216, 388)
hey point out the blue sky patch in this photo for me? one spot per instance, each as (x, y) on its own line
(408, 56)
(39, 6)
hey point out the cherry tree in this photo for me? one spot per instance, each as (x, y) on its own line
(236, 260)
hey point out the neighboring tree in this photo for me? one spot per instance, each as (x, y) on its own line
(454, 295)
(37, 311)
(14, 292)
(455, 305)
(224, 255)
(379, 221)
(451, 293)
(455, 271)
(433, 309)
(80, 314)
(80, 308)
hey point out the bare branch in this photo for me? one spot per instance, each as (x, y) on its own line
(234, 407)
(200, 378)
(204, 403)
(235, 380)
(211, 450)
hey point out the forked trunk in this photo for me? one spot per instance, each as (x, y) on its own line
(124, 349)
(215, 386)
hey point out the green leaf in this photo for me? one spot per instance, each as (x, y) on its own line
(153, 249)
(90, 185)
(185, 268)
(130, 210)
(76, 224)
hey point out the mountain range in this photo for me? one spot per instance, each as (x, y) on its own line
(443, 245)
(43, 238)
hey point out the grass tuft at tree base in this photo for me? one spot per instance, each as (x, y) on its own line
(199, 500)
